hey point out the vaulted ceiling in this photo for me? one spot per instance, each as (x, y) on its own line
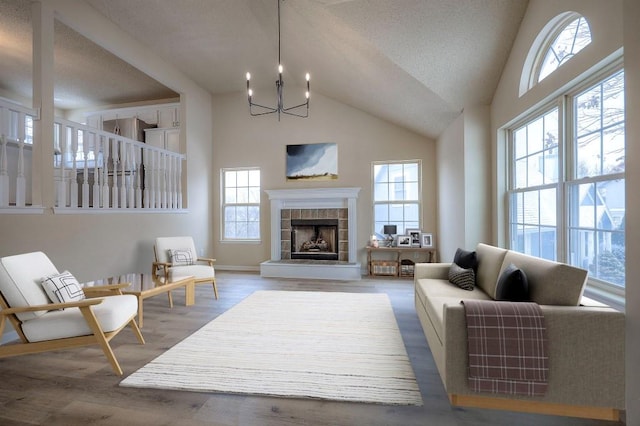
(416, 63)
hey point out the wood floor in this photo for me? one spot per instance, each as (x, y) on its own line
(78, 387)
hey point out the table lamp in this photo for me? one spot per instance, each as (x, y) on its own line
(390, 231)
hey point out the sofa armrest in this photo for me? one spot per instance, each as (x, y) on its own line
(585, 348)
(431, 270)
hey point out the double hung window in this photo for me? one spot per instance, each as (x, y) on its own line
(396, 195)
(241, 204)
(567, 181)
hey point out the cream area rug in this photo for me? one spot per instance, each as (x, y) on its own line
(335, 346)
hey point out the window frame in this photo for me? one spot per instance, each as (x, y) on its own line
(375, 203)
(224, 204)
(567, 173)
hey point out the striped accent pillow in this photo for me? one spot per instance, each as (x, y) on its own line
(463, 278)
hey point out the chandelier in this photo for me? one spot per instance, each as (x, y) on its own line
(301, 110)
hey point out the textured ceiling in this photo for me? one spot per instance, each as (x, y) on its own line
(417, 63)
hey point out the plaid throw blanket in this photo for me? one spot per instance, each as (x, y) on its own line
(507, 347)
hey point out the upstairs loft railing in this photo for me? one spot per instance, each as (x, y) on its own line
(93, 170)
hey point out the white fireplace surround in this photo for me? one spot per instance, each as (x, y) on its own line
(312, 198)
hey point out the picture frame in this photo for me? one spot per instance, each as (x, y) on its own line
(426, 240)
(415, 236)
(404, 240)
(314, 161)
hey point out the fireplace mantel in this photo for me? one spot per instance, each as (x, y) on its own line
(312, 198)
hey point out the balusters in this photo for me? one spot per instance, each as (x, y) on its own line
(4, 175)
(123, 175)
(95, 189)
(106, 160)
(131, 169)
(85, 171)
(138, 172)
(61, 198)
(156, 182)
(115, 159)
(74, 167)
(179, 182)
(126, 174)
(21, 184)
(147, 157)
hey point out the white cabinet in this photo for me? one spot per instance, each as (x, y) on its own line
(162, 115)
(165, 138)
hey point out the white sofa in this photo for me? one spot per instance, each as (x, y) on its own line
(586, 343)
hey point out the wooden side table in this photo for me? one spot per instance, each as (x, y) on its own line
(144, 286)
(391, 264)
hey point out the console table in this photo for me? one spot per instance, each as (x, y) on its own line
(391, 263)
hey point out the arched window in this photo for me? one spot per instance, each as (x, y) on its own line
(572, 39)
(558, 42)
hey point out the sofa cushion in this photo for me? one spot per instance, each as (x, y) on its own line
(463, 278)
(490, 260)
(550, 283)
(512, 285)
(434, 293)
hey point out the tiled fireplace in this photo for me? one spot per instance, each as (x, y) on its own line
(313, 234)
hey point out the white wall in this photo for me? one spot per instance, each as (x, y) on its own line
(464, 208)
(632, 109)
(242, 141)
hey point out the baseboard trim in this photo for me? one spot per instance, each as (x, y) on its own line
(537, 407)
(239, 268)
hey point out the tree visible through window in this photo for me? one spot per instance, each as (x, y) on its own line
(241, 204)
(575, 177)
(396, 195)
(572, 38)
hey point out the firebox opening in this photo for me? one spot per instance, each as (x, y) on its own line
(314, 239)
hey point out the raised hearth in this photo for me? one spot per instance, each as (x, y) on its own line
(326, 220)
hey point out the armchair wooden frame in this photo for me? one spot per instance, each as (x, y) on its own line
(165, 266)
(98, 337)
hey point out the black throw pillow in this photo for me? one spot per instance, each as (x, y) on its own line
(512, 285)
(466, 259)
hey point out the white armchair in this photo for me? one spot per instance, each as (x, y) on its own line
(45, 325)
(177, 257)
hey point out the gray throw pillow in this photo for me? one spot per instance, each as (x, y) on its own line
(463, 278)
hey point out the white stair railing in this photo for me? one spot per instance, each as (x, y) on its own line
(126, 174)
(92, 169)
(15, 153)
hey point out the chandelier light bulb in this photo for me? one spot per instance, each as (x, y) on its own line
(250, 92)
(249, 76)
(307, 94)
(307, 76)
(280, 68)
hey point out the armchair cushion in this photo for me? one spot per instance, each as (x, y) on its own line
(164, 244)
(197, 271)
(181, 257)
(62, 288)
(112, 313)
(20, 281)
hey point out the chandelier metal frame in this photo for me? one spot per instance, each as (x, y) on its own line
(279, 108)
